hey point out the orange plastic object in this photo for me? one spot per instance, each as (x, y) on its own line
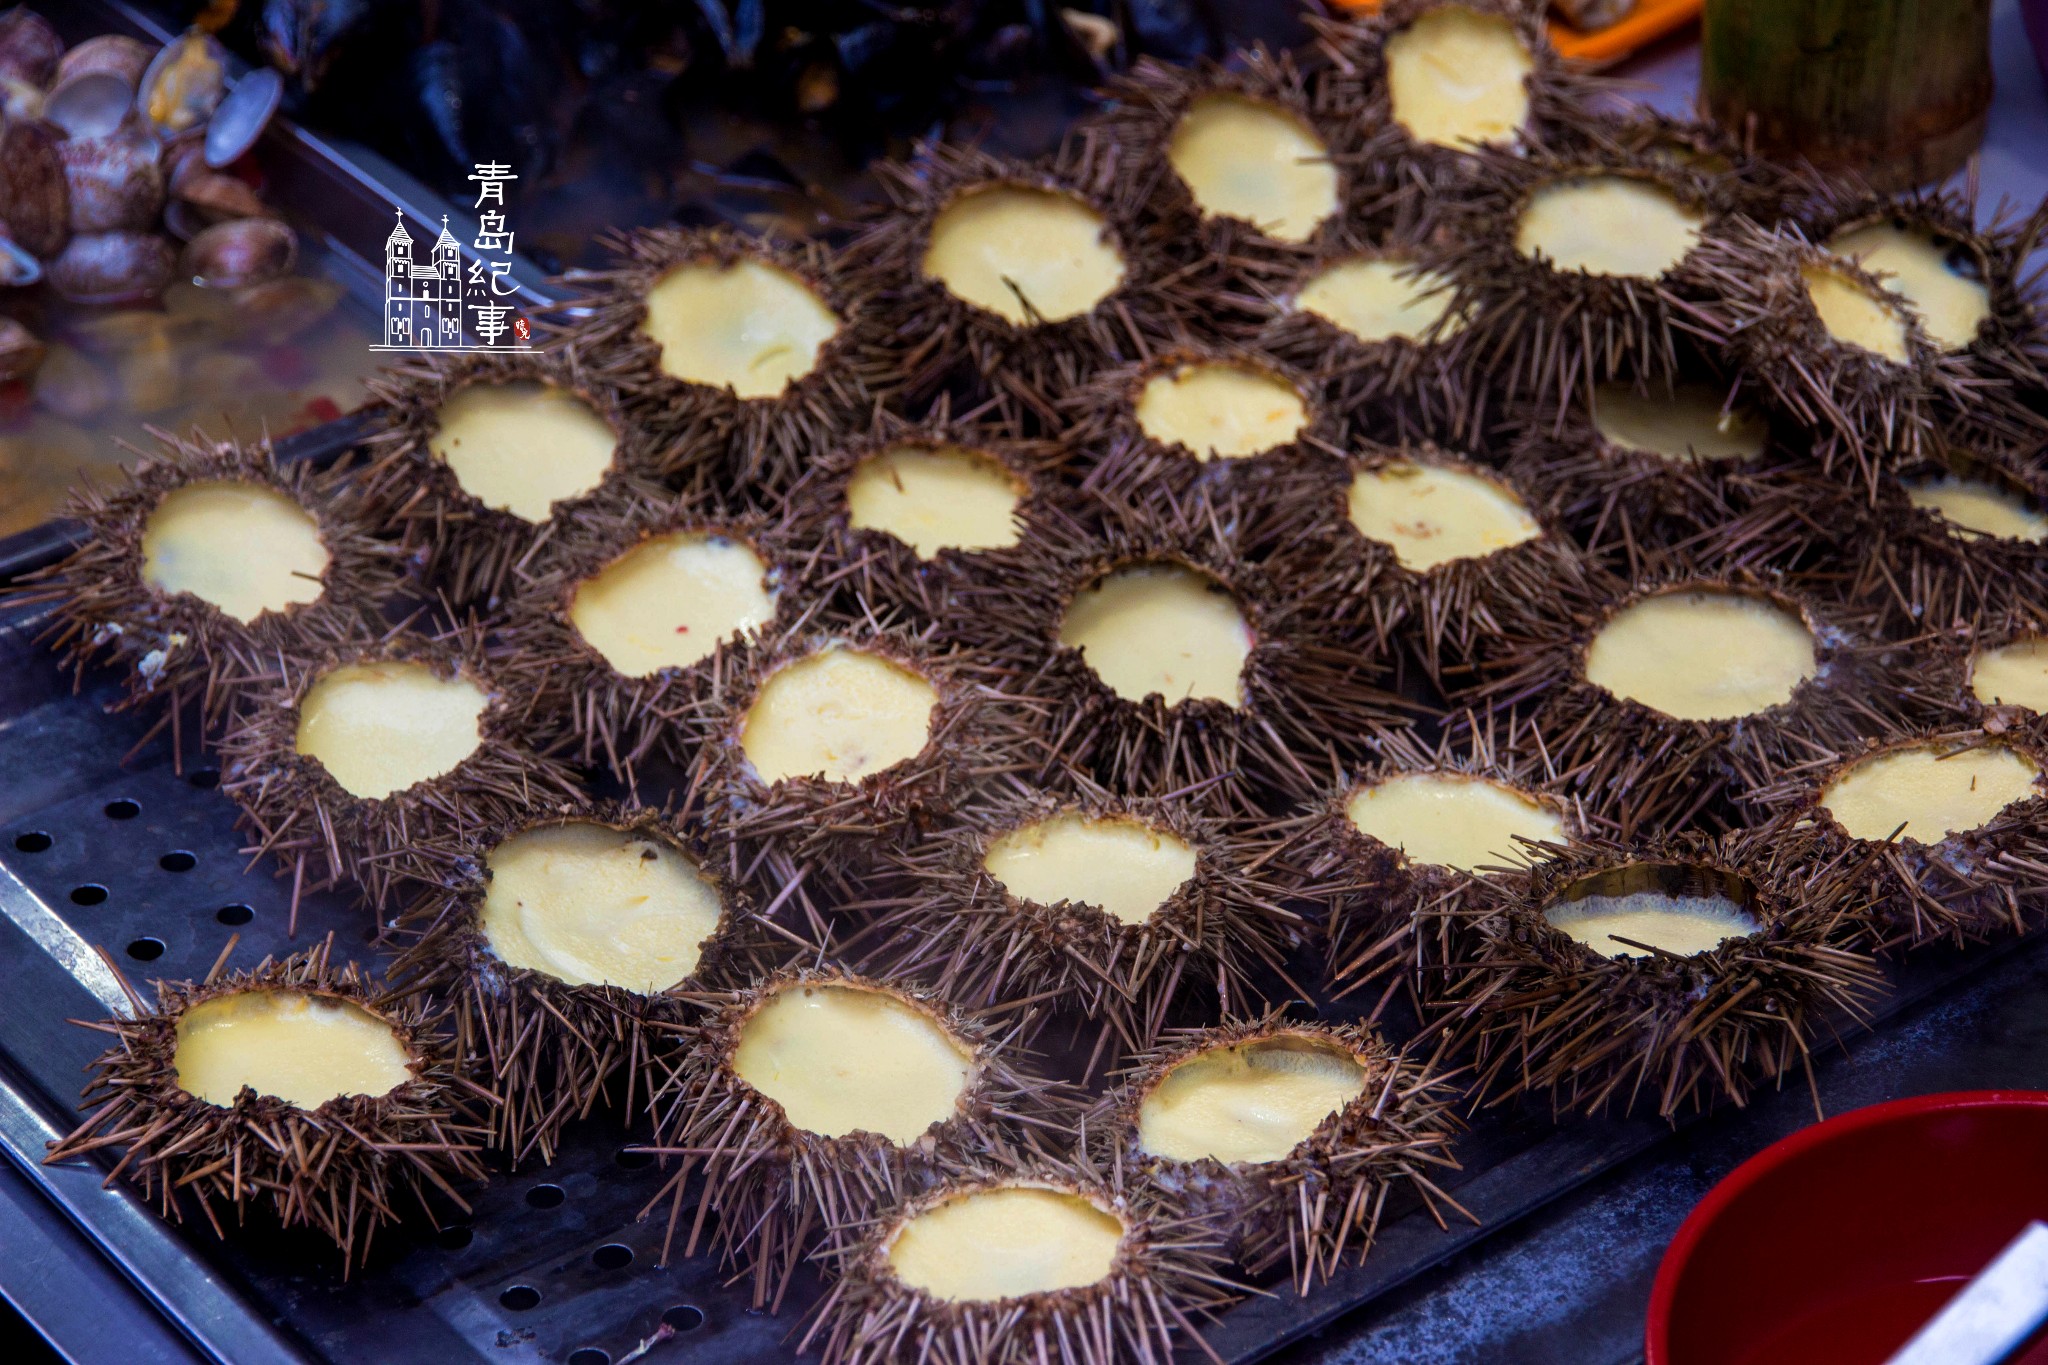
(1645, 24)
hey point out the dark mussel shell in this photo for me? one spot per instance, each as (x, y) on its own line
(113, 267)
(114, 182)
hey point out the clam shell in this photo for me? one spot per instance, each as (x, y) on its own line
(113, 267)
(114, 183)
(111, 54)
(29, 47)
(243, 252)
(34, 203)
(242, 116)
(184, 84)
(89, 104)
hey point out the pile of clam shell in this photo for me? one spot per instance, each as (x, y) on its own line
(116, 172)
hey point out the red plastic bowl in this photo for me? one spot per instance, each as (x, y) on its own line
(1833, 1246)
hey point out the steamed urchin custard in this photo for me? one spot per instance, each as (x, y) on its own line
(1679, 923)
(1453, 820)
(1608, 225)
(743, 325)
(594, 906)
(243, 548)
(935, 498)
(839, 714)
(1702, 654)
(1161, 628)
(1004, 1243)
(670, 601)
(1120, 865)
(1250, 1102)
(1027, 255)
(1220, 411)
(1244, 158)
(845, 1059)
(2014, 674)
(378, 728)
(302, 1048)
(1931, 790)
(1855, 316)
(1457, 78)
(1381, 299)
(1952, 303)
(1685, 425)
(522, 448)
(1432, 515)
(1976, 508)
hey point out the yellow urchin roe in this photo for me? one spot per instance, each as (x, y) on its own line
(380, 728)
(244, 548)
(1952, 303)
(522, 448)
(1161, 628)
(1243, 158)
(1005, 1243)
(846, 1059)
(1852, 314)
(935, 498)
(1248, 1102)
(594, 906)
(840, 714)
(1608, 225)
(1026, 255)
(1976, 508)
(1459, 78)
(1221, 411)
(2014, 674)
(1928, 791)
(670, 601)
(300, 1047)
(1382, 299)
(1122, 866)
(1702, 655)
(1679, 924)
(1432, 516)
(1453, 819)
(743, 325)
(1685, 424)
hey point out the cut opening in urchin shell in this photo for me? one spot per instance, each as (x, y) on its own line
(1293, 1134)
(1659, 699)
(347, 752)
(1432, 82)
(1956, 818)
(618, 628)
(747, 352)
(488, 457)
(1219, 414)
(1128, 911)
(1400, 824)
(1669, 972)
(804, 1100)
(912, 514)
(1992, 674)
(555, 939)
(1011, 280)
(1581, 266)
(1762, 189)
(1415, 551)
(296, 1085)
(1147, 651)
(203, 559)
(1115, 1271)
(1235, 164)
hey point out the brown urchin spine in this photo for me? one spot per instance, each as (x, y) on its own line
(320, 834)
(779, 1191)
(1167, 1271)
(762, 442)
(1325, 1195)
(174, 647)
(949, 920)
(470, 550)
(548, 1051)
(1546, 1015)
(338, 1169)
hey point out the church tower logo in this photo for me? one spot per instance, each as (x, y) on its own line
(439, 298)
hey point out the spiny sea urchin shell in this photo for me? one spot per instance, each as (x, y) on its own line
(1136, 1270)
(352, 750)
(215, 1124)
(555, 939)
(488, 457)
(814, 1095)
(1734, 951)
(753, 352)
(1294, 1133)
(204, 558)
(1127, 911)
(617, 628)
(1956, 818)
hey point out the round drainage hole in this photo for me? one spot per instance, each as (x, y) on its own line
(124, 809)
(456, 1238)
(612, 1256)
(146, 949)
(590, 1355)
(204, 778)
(545, 1196)
(234, 914)
(631, 1160)
(684, 1317)
(520, 1297)
(90, 894)
(179, 861)
(35, 841)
